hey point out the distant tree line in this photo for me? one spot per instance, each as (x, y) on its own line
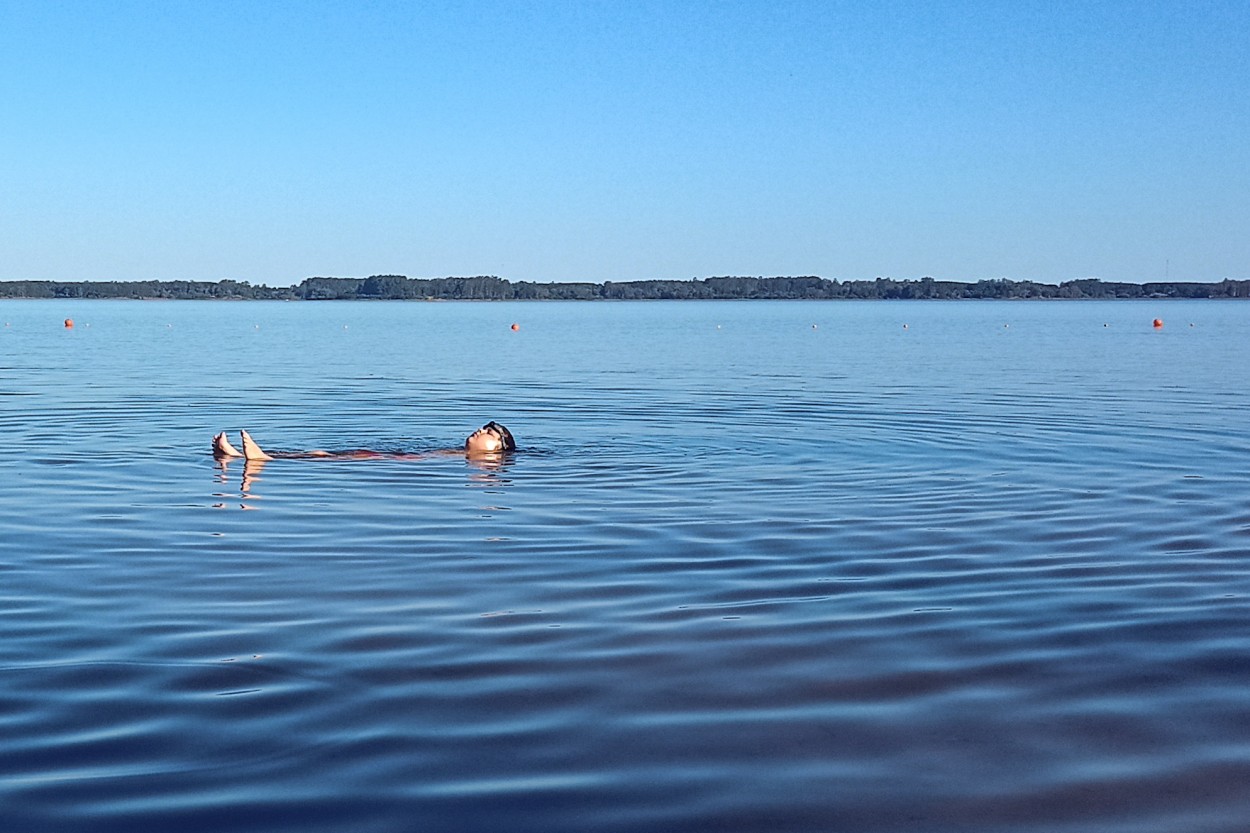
(147, 290)
(490, 288)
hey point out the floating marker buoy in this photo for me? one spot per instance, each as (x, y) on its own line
(814, 327)
(516, 327)
(69, 323)
(904, 326)
(1158, 324)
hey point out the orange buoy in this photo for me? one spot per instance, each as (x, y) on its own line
(69, 323)
(1158, 323)
(516, 327)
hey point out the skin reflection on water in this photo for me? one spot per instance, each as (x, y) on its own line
(251, 473)
(486, 471)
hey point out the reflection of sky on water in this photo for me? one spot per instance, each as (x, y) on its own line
(810, 561)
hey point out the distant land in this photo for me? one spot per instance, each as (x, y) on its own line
(490, 288)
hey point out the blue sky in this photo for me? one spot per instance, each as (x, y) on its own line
(272, 141)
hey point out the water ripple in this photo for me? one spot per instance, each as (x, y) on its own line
(757, 577)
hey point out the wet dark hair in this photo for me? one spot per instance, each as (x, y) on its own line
(505, 436)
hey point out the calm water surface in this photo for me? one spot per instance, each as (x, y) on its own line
(758, 566)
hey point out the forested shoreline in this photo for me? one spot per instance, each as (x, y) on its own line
(491, 288)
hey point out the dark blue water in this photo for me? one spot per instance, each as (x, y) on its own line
(757, 566)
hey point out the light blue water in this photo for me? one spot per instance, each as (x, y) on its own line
(757, 566)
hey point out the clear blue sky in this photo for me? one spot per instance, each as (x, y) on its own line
(272, 141)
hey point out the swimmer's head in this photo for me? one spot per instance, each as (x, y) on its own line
(491, 438)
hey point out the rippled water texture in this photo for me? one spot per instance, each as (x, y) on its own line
(757, 566)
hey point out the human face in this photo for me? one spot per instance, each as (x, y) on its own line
(483, 442)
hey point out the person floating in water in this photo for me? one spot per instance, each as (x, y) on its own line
(492, 440)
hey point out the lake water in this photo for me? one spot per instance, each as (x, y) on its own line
(822, 566)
